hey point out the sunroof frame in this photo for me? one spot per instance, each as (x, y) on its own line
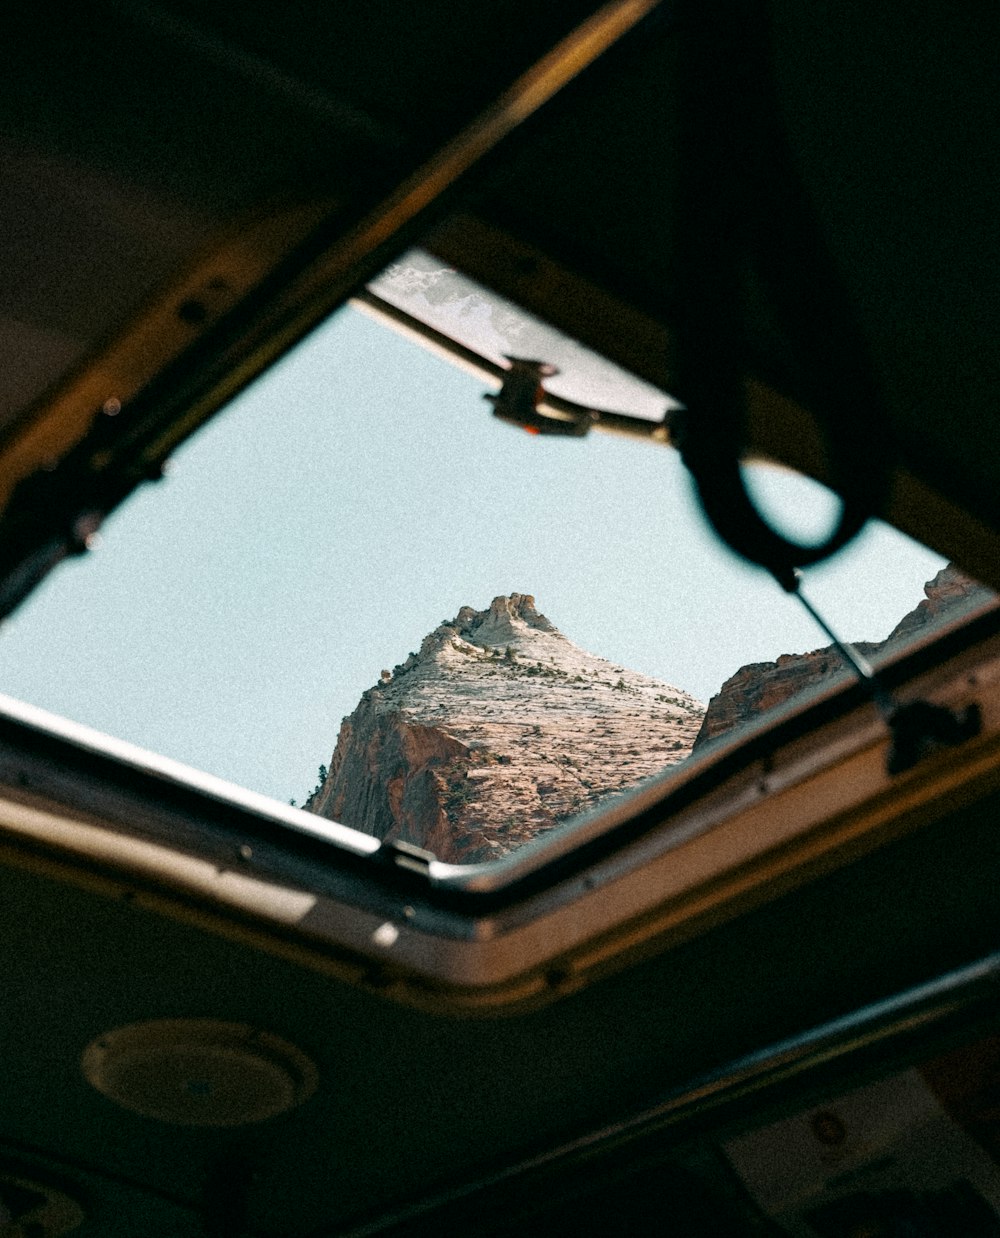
(738, 826)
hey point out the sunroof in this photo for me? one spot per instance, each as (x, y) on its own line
(359, 591)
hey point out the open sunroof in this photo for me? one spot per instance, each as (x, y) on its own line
(515, 630)
(502, 660)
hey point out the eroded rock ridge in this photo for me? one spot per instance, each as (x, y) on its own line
(760, 686)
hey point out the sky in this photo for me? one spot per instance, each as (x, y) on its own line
(350, 500)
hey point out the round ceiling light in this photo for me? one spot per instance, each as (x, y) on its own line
(199, 1072)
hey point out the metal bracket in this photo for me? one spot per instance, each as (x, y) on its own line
(521, 394)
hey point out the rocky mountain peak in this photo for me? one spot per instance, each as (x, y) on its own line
(498, 728)
(508, 620)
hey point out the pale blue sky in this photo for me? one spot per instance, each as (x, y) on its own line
(353, 498)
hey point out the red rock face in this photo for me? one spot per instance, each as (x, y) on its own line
(390, 774)
(494, 732)
(761, 686)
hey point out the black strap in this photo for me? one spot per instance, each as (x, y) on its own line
(742, 207)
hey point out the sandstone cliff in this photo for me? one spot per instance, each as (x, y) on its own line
(497, 729)
(762, 685)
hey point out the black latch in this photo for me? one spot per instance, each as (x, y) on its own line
(920, 728)
(407, 856)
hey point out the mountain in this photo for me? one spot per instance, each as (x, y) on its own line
(760, 686)
(498, 728)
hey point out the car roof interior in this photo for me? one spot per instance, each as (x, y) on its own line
(783, 215)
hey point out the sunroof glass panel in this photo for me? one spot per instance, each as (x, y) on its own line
(482, 320)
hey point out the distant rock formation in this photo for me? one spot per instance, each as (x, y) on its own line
(496, 730)
(760, 686)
